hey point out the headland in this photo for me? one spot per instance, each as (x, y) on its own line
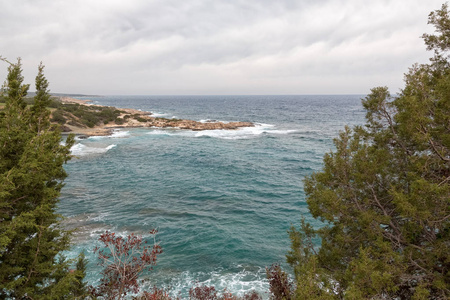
(71, 112)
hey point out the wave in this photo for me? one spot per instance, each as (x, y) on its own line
(162, 115)
(158, 114)
(114, 134)
(87, 227)
(171, 132)
(288, 131)
(241, 133)
(238, 283)
(83, 150)
(212, 121)
(159, 132)
(120, 134)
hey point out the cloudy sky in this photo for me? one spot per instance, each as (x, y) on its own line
(216, 46)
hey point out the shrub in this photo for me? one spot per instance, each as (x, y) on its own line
(203, 292)
(280, 285)
(155, 294)
(124, 260)
(252, 295)
(119, 121)
(140, 119)
(58, 117)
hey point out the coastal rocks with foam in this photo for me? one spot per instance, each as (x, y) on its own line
(196, 126)
(178, 124)
(156, 122)
(146, 119)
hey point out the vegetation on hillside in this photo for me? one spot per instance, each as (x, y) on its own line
(83, 115)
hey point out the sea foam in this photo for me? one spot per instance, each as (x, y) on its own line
(120, 134)
(239, 282)
(159, 114)
(241, 133)
(83, 150)
(114, 134)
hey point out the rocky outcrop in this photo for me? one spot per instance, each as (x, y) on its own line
(180, 124)
(131, 118)
(194, 125)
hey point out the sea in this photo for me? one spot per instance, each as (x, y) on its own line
(222, 200)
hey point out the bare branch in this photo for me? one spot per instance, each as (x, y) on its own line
(5, 60)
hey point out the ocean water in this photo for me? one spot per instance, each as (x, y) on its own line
(221, 200)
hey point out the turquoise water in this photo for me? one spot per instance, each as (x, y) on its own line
(222, 200)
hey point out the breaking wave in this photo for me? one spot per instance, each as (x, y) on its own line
(241, 133)
(83, 150)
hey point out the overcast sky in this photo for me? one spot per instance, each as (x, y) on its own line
(216, 47)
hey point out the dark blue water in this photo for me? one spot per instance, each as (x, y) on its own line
(222, 200)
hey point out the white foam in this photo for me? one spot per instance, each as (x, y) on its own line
(282, 131)
(241, 133)
(172, 132)
(212, 121)
(158, 114)
(83, 150)
(159, 132)
(236, 283)
(120, 134)
(115, 134)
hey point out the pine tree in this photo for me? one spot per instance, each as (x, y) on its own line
(31, 177)
(80, 288)
(384, 195)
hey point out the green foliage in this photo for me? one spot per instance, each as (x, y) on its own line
(83, 115)
(119, 121)
(54, 103)
(384, 195)
(58, 117)
(31, 177)
(80, 288)
(140, 119)
(168, 120)
(137, 117)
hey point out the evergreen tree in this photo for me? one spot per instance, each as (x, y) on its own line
(384, 194)
(80, 289)
(31, 177)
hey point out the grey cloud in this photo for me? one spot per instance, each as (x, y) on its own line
(153, 46)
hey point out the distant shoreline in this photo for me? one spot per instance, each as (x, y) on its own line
(143, 119)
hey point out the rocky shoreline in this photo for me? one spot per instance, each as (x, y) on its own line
(145, 120)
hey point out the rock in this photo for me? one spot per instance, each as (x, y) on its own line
(146, 120)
